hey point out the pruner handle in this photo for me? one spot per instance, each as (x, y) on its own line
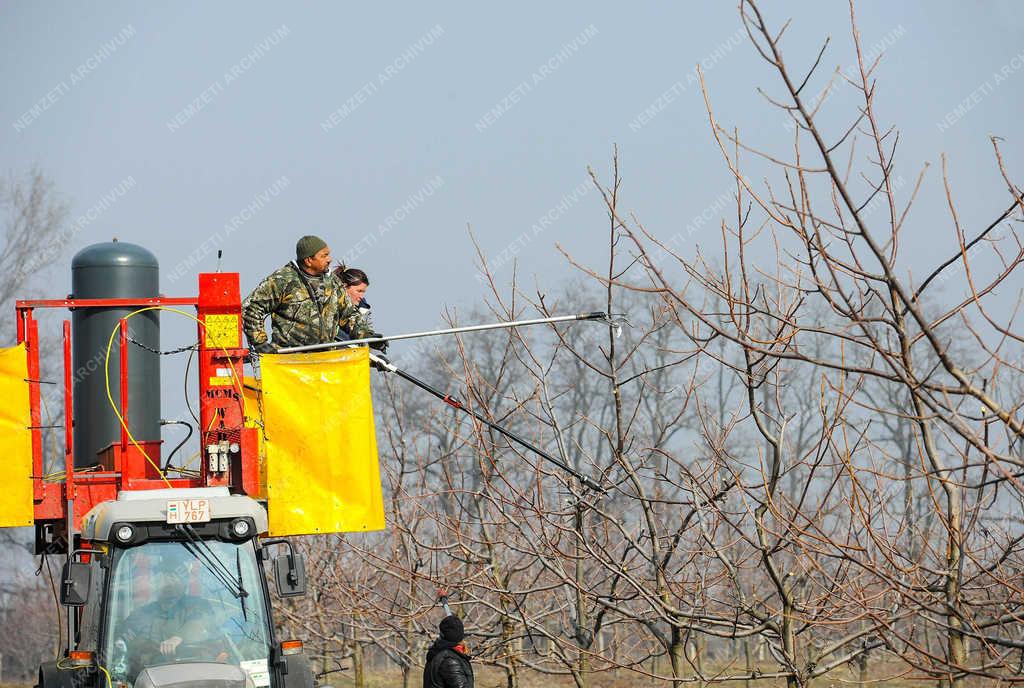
(442, 597)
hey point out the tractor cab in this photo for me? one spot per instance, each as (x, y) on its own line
(171, 587)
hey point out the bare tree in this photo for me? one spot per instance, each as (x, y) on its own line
(811, 463)
(33, 223)
(835, 309)
(33, 237)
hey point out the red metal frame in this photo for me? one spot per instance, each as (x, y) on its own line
(222, 409)
(28, 327)
(123, 465)
(29, 304)
(69, 415)
(123, 363)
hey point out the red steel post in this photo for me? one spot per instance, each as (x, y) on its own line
(124, 385)
(31, 333)
(69, 447)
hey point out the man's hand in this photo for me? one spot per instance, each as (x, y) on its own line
(379, 346)
(378, 362)
(168, 646)
(265, 348)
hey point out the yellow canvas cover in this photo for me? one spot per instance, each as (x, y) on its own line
(322, 469)
(15, 439)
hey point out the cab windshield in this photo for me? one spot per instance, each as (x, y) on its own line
(175, 602)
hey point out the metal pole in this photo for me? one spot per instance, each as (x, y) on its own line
(70, 526)
(596, 315)
(69, 472)
(455, 403)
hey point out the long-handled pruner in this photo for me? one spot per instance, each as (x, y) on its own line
(442, 597)
(616, 321)
(383, 364)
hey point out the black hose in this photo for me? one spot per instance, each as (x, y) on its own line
(188, 403)
(181, 444)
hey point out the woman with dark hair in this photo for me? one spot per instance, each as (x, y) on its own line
(355, 283)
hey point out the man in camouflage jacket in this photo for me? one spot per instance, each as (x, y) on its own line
(305, 302)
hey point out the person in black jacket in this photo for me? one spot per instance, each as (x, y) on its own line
(447, 664)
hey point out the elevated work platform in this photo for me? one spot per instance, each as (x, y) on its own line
(307, 449)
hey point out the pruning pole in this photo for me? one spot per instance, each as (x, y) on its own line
(615, 320)
(387, 366)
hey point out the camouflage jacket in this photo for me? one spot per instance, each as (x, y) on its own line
(297, 319)
(359, 325)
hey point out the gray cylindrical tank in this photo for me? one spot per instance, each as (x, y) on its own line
(104, 271)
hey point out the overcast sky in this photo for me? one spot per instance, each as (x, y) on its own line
(390, 130)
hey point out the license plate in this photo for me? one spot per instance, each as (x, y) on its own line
(188, 511)
(258, 670)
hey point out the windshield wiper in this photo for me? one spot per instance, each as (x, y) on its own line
(238, 567)
(198, 548)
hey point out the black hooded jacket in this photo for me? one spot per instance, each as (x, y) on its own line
(446, 667)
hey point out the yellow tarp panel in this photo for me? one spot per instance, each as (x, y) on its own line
(15, 439)
(323, 474)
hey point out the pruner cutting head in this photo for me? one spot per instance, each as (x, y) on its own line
(616, 321)
(591, 484)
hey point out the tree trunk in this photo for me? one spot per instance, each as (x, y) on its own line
(956, 645)
(508, 641)
(748, 659)
(676, 656)
(358, 665)
(582, 620)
